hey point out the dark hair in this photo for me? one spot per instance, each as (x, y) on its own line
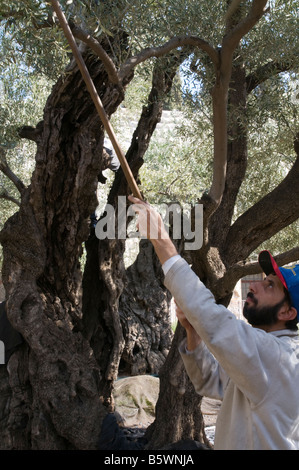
(290, 324)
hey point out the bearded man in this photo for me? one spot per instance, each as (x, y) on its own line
(253, 366)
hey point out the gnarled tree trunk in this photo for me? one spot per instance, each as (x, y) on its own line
(178, 411)
(64, 371)
(105, 265)
(55, 378)
(145, 315)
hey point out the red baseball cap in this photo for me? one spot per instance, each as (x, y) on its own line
(269, 265)
(289, 275)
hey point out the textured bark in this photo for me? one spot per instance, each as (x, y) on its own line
(103, 283)
(178, 410)
(145, 316)
(236, 155)
(272, 213)
(105, 277)
(52, 394)
(224, 246)
(55, 380)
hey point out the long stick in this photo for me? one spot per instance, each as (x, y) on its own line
(96, 99)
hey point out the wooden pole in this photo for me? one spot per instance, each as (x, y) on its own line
(96, 99)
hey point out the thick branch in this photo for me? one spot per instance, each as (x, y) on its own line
(236, 156)
(96, 47)
(287, 257)
(9, 173)
(239, 88)
(220, 94)
(246, 269)
(83, 36)
(265, 72)
(5, 195)
(31, 133)
(174, 43)
(162, 80)
(272, 213)
(227, 283)
(234, 36)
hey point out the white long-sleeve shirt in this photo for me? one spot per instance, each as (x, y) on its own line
(254, 373)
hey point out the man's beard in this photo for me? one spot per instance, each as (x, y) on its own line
(264, 316)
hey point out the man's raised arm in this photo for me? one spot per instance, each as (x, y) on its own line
(151, 226)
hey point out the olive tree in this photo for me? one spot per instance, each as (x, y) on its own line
(58, 387)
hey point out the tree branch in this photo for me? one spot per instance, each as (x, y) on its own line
(287, 257)
(246, 269)
(5, 195)
(236, 156)
(174, 43)
(96, 47)
(233, 37)
(226, 284)
(31, 133)
(272, 213)
(9, 173)
(162, 80)
(220, 94)
(237, 148)
(83, 36)
(265, 72)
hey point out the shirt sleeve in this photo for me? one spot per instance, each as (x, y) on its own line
(170, 262)
(206, 374)
(242, 351)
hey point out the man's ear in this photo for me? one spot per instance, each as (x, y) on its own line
(287, 314)
(294, 313)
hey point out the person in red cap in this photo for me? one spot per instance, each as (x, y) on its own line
(253, 366)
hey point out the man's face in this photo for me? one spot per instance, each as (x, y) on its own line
(264, 301)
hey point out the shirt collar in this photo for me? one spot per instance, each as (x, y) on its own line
(285, 332)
